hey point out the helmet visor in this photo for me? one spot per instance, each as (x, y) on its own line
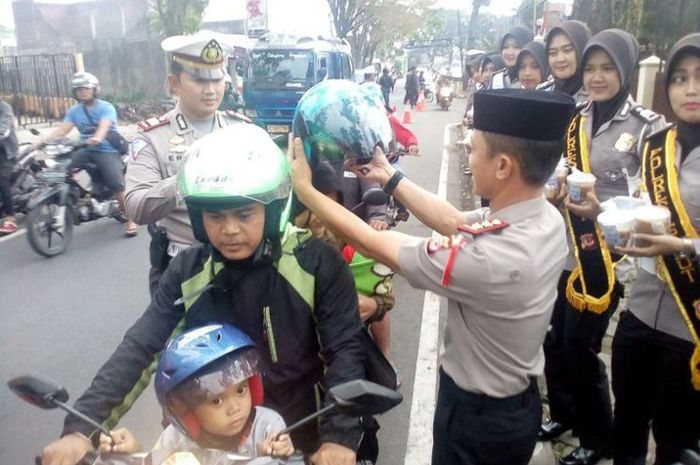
(216, 377)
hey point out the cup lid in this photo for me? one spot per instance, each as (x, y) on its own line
(615, 216)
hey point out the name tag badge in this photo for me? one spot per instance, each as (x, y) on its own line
(349, 174)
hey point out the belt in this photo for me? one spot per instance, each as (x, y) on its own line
(482, 401)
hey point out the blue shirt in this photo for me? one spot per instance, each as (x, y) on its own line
(99, 111)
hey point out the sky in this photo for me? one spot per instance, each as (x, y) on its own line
(307, 16)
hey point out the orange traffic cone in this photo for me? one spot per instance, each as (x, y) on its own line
(407, 118)
(420, 104)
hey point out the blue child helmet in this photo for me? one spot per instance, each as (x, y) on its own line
(200, 364)
(336, 118)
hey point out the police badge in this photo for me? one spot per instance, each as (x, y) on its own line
(212, 53)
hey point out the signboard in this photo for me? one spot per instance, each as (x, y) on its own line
(256, 17)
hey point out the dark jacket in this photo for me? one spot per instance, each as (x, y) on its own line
(302, 349)
(8, 133)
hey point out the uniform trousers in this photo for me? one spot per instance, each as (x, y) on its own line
(476, 429)
(651, 382)
(578, 387)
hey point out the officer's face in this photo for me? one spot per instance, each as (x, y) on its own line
(236, 232)
(483, 166)
(529, 73)
(684, 89)
(510, 51)
(600, 77)
(199, 98)
(562, 57)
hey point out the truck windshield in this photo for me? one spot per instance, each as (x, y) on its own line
(281, 69)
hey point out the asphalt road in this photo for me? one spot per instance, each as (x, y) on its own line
(62, 317)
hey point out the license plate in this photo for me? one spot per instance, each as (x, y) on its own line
(277, 128)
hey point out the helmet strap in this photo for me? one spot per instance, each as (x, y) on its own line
(192, 425)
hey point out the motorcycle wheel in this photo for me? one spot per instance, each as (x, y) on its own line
(46, 237)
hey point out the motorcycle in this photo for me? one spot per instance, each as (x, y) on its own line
(23, 177)
(428, 92)
(66, 197)
(357, 398)
(445, 96)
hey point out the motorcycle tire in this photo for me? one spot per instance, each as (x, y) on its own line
(44, 236)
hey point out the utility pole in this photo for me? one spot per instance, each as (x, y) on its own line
(534, 18)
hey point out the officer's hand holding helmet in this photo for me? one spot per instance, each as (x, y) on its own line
(232, 167)
(83, 80)
(341, 121)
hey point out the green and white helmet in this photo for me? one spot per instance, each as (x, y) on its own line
(231, 167)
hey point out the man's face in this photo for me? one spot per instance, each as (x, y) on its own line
(85, 94)
(199, 98)
(237, 232)
(483, 166)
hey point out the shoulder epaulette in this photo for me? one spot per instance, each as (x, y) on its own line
(645, 115)
(547, 85)
(663, 129)
(152, 123)
(238, 116)
(481, 227)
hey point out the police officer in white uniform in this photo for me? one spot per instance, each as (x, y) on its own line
(197, 78)
(497, 266)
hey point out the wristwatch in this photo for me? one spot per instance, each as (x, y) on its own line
(687, 248)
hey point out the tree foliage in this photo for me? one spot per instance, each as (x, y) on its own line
(172, 17)
(372, 25)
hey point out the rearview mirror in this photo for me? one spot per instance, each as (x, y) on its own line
(39, 392)
(361, 397)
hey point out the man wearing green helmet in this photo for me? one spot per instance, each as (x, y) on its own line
(290, 292)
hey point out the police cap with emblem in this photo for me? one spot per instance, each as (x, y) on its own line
(526, 114)
(200, 55)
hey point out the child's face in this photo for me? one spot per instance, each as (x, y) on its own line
(227, 414)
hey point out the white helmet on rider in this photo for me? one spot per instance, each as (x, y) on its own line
(84, 80)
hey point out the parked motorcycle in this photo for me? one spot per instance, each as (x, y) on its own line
(65, 198)
(445, 95)
(22, 180)
(357, 398)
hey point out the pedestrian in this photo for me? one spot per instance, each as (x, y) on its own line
(488, 408)
(511, 43)
(95, 119)
(8, 153)
(290, 293)
(412, 88)
(656, 347)
(197, 77)
(565, 45)
(605, 139)
(532, 65)
(387, 85)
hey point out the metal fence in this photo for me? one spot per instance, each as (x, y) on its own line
(37, 86)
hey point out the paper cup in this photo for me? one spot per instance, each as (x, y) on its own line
(651, 219)
(579, 185)
(617, 227)
(628, 203)
(561, 173)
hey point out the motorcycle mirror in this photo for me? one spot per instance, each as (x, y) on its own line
(39, 392)
(361, 397)
(47, 395)
(375, 197)
(35, 132)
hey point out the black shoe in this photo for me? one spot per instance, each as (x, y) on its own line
(583, 456)
(551, 430)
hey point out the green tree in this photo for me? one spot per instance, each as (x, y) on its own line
(173, 17)
(473, 21)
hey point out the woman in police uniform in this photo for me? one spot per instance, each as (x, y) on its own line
(605, 139)
(656, 350)
(511, 43)
(565, 45)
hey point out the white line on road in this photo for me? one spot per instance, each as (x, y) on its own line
(21, 232)
(420, 429)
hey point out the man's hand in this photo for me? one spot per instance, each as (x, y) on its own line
(378, 169)
(368, 307)
(121, 441)
(662, 244)
(413, 149)
(271, 446)
(94, 141)
(66, 451)
(590, 208)
(378, 224)
(333, 454)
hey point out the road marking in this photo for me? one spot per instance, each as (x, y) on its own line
(419, 445)
(20, 232)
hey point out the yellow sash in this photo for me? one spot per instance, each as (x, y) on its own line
(660, 181)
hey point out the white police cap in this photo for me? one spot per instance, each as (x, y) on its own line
(202, 55)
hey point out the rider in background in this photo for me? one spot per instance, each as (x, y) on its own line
(94, 118)
(8, 152)
(209, 384)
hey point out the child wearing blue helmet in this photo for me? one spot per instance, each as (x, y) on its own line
(209, 385)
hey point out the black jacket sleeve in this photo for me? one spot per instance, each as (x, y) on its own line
(126, 374)
(338, 327)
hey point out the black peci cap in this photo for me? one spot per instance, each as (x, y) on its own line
(526, 114)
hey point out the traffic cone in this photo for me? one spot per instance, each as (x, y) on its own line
(420, 104)
(407, 118)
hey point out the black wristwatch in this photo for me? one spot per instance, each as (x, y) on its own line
(393, 182)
